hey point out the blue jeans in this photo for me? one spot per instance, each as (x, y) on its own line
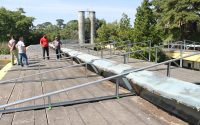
(23, 58)
(58, 53)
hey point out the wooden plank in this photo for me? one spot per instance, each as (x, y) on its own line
(122, 114)
(6, 89)
(26, 117)
(108, 116)
(40, 117)
(90, 116)
(23, 118)
(74, 116)
(149, 112)
(138, 113)
(6, 119)
(57, 116)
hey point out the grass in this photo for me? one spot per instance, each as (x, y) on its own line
(4, 50)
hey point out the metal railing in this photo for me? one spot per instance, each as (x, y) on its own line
(93, 82)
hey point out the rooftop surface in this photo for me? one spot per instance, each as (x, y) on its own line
(122, 111)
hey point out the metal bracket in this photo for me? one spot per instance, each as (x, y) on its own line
(94, 68)
(128, 85)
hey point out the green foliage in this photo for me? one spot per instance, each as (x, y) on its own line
(178, 19)
(4, 50)
(107, 32)
(144, 25)
(14, 23)
(70, 31)
(60, 23)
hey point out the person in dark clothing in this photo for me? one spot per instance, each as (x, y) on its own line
(45, 46)
(57, 44)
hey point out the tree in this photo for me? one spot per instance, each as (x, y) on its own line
(21, 10)
(70, 31)
(144, 25)
(125, 31)
(14, 23)
(178, 18)
(107, 32)
(60, 23)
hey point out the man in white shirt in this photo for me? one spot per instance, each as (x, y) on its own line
(22, 51)
(13, 50)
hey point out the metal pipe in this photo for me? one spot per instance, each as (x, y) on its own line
(156, 54)
(168, 69)
(181, 54)
(117, 88)
(92, 82)
(149, 51)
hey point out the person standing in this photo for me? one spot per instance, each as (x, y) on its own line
(13, 50)
(45, 46)
(22, 51)
(57, 44)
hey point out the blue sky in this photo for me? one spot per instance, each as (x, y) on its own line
(50, 10)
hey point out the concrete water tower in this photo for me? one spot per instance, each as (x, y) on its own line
(81, 26)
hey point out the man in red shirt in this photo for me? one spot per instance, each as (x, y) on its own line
(45, 46)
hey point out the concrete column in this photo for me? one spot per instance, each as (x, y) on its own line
(81, 27)
(92, 26)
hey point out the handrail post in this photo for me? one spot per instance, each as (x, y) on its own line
(168, 69)
(101, 53)
(184, 41)
(117, 88)
(97, 50)
(72, 60)
(88, 50)
(129, 50)
(110, 50)
(125, 58)
(86, 67)
(150, 51)
(49, 103)
(156, 54)
(181, 55)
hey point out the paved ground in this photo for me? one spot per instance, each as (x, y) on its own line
(123, 111)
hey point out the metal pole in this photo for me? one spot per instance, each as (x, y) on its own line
(156, 54)
(150, 51)
(72, 60)
(129, 50)
(117, 88)
(168, 69)
(86, 67)
(101, 53)
(49, 103)
(184, 44)
(125, 58)
(110, 50)
(181, 54)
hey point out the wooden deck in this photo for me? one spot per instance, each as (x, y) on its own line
(123, 111)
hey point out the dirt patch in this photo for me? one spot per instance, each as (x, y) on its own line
(157, 112)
